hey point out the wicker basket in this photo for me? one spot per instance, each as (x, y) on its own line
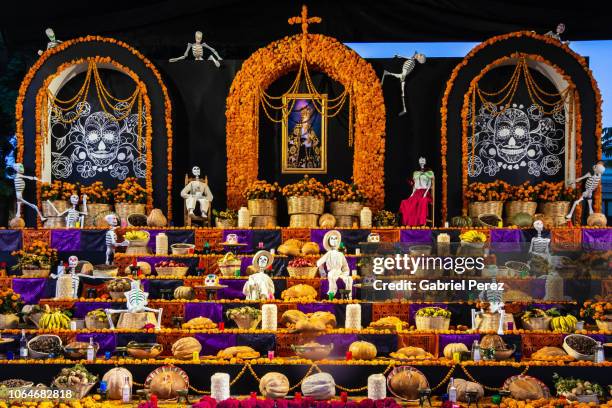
(304, 272)
(556, 208)
(8, 321)
(55, 222)
(305, 205)
(124, 209)
(352, 208)
(478, 208)
(247, 322)
(490, 321)
(225, 223)
(94, 211)
(172, 270)
(36, 272)
(38, 354)
(139, 246)
(432, 322)
(228, 268)
(94, 324)
(303, 220)
(537, 323)
(604, 325)
(346, 221)
(515, 207)
(262, 206)
(60, 206)
(480, 221)
(263, 221)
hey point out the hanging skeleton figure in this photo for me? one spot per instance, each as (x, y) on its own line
(111, 238)
(557, 34)
(407, 68)
(73, 214)
(53, 42)
(19, 183)
(197, 49)
(590, 185)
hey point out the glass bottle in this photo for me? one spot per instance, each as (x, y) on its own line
(126, 390)
(452, 391)
(91, 352)
(476, 351)
(23, 345)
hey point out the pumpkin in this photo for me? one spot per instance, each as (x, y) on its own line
(492, 341)
(156, 218)
(184, 348)
(461, 221)
(463, 386)
(363, 350)
(274, 385)
(451, 348)
(166, 384)
(184, 292)
(115, 378)
(310, 248)
(327, 221)
(597, 220)
(522, 219)
(524, 387)
(320, 386)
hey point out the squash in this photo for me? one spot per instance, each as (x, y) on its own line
(363, 350)
(451, 348)
(407, 383)
(320, 386)
(184, 292)
(597, 220)
(166, 384)
(492, 341)
(461, 221)
(522, 220)
(184, 348)
(115, 378)
(463, 386)
(274, 385)
(157, 218)
(310, 248)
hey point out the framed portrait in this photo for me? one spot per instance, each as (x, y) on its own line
(304, 141)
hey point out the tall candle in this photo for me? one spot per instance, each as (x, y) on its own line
(353, 316)
(161, 244)
(269, 316)
(377, 387)
(220, 386)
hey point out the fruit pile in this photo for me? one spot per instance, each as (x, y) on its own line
(54, 319)
(300, 263)
(76, 375)
(564, 324)
(98, 315)
(571, 388)
(118, 285)
(170, 264)
(433, 312)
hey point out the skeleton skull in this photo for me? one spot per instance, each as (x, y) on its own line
(111, 220)
(374, 237)
(538, 225)
(18, 167)
(102, 138)
(198, 37)
(560, 28)
(73, 261)
(211, 280)
(599, 168)
(195, 171)
(511, 136)
(262, 261)
(334, 241)
(74, 199)
(50, 34)
(421, 58)
(422, 161)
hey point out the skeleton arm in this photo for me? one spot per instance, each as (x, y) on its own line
(55, 209)
(183, 56)
(84, 212)
(30, 177)
(216, 54)
(583, 177)
(186, 191)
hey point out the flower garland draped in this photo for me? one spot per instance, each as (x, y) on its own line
(491, 41)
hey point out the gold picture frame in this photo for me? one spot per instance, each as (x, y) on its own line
(304, 139)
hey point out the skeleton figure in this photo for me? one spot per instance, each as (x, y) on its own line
(335, 263)
(197, 50)
(197, 191)
(53, 42)
(540, 246)
(72, 214)
(407, 68)
(19, 183)
(557, 34)
(137, 301)
(73, 262)
(495, 298)
(590, 185)
(111, 238)
(260, 285)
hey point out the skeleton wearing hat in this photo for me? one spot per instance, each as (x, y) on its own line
(334, 262)
(197, 192)
(260, 285)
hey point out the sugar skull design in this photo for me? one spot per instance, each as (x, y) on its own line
(517, 139)
(93, 143)
(211, 280)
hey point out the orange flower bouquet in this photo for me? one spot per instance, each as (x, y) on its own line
(10, 304)
(261, 200)
(495, 191)
(36, 259)
(306, 187)
(342, 191)
(600, 312)
(130, 191)
(261, 189)
(58, 193)
(97, 193)
(306, 197)
(524, 192)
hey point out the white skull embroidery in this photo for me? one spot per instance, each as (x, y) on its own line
(102, 138)
(512, 135)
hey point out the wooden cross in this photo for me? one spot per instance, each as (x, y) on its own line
(304, 20)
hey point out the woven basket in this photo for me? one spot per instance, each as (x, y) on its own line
(262, 206)
(228, 268)
(263, 221)
(172, 270)
(478, 208)
(515, 207)
(604, 325)
(95, 324)
(304, 272)
(55, 222)
(36, 273)
(556, 208)
(94, 211)
(303, 220)
(124, 209)
(345, 208)
(305, 205)
(225, 223)
(490, 321)
(536, 323)
(138, 247)
(8, 321)
(117, 295)
(432, 322)
(60, 206)
(346, 221)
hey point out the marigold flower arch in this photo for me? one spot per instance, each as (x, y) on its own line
(340, 63)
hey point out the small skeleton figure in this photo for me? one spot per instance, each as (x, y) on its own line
(335, 263)
(73, 262)
(495, 298)
(197, 50)
(73, 214)
(111, 238)
(53, 42)
(590, 185)
(260, 285)
(407, 68)
(197, 191)
(557, 34)
(137, 301)
(540, 246)
(19, 183)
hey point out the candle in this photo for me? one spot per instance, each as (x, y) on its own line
(357, 251)
(510, 325)
(349, 355)
(103, 386)
(377, 387)
(253, 394)
(331, 295)
(260, 245)
(272, 251)
(73, 325)
(500, 223)
(196, 356)
(353, 316)
(269, 316)
(398, 327)
(445, 224)
(220, 386)
(343, 396)
(457, 357)
(107, 356)
(271, 355)
(221, 326)
(161, 244)
(10, 355)
(298, 396)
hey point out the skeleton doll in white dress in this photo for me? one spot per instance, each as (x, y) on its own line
(260, 285)
(335, 263)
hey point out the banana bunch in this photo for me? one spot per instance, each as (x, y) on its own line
(564, 324)
(136, 235)
(473, 236)
(54, 319)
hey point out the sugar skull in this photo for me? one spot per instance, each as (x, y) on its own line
(373, 237)
(211, 280)
(511, 135)
(102, 139)
(73, 261)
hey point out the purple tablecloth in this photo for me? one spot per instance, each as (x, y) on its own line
(416, 236)
(316, 307)
(10, 240)
(597, 239)
(66, 240)
(107, 341)
(505, 240)
(213, 311)
(466, 339)
(233, 290)
(81, 308)
(30, 289)
(213, 343)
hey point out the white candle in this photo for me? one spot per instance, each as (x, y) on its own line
(353, 316)
(161, 244)
(269, 316)
(220, 386)
(357, 251)
(377, 387)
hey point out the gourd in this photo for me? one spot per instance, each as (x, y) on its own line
(363, 350)
(461, 221)
(184, 348)
(115, 378)
(522, 220)
(492, 341)
(310, 248)
(451, 348)
(597, 220)
(320, 386)
(156, 218)
(407, 383)
(274, 385)
(464, 386)
(526, 388)
(184, 292)
(166, 384)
